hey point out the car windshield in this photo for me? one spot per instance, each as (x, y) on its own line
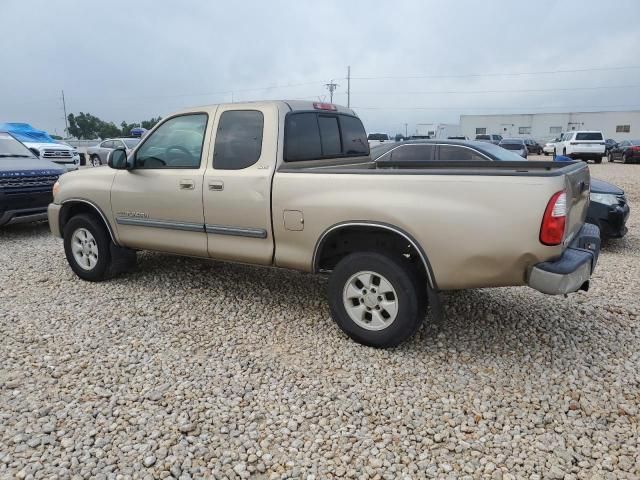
(378, 136)
(10, 147)
(588, 136)
(131, 142)
(380, 150)
(512, 145)
(501, 154)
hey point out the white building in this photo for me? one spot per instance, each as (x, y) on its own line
(547, 126)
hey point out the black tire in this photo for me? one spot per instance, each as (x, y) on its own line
(624, 158)
(564, 152)
(410, 294)
(555, 154)
(95, 161)
(546, 154)
(610, 158)
(100, 271)
(598, 160)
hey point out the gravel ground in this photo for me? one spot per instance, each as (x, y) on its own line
(194, 369)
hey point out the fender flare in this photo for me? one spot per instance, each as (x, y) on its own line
(97, 210)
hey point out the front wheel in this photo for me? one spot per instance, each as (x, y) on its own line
(87, 247)
(376, 299)
(610, 157)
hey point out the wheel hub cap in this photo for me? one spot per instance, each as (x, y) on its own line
(370, 300)
(84, 248)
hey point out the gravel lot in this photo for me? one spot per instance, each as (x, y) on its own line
(196, 369)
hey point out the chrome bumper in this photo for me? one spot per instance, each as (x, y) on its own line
(572, 271)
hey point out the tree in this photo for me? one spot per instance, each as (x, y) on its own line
(84, 125)
(149, 124)
(127, 127)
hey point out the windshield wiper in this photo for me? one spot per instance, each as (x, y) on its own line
(3, 155)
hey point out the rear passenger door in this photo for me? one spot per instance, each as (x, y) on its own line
(237, 184)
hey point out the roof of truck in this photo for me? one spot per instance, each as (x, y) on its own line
(294, 105)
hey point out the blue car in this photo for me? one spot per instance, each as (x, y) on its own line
(26, 182)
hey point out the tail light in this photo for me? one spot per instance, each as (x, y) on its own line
(635, 149)
(554, 220)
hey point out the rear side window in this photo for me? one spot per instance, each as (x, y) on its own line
(313, 136)
(452, 153)
(238, 139)
(588, 136)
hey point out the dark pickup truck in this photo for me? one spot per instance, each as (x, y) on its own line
(26, 182)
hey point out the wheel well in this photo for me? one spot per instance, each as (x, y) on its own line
(340, 242)
(71, 209)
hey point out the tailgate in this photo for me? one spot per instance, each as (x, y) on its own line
(577, 186)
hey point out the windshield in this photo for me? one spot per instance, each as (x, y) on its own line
(10, 147)
(380, 150)
(131, 142)
(500, 153)
(378, 136)
(588, 136)
(512, 146)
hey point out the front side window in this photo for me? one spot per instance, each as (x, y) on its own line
(238, 139)
(177, 143)
(452, 153)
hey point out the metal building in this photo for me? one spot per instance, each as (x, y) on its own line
(547, 126)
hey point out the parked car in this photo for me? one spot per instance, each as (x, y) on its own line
(43, 146)
(581, 145)
(492, 138)
(98, 154)
(422, 151)
(608, 209)
(550, 147)
(627, 150)
(377, 138)
(609, 143)
(533, 146)
(26, 182)
(516, 145)
(289, 184)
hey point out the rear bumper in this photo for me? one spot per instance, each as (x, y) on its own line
(582, 155)
(570, 272)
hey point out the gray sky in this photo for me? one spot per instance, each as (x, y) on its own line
(131, 60)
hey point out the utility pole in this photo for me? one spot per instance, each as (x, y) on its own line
(406, 133)
(349, 86)
(64, 107)
(331, 86)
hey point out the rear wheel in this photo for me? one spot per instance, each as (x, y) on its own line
(95, 161)
(624, 158)
(376, 299)
(87, 247)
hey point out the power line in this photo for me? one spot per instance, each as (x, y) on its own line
(527, 90)
(496, 74)
(331, 86)
(566, 107)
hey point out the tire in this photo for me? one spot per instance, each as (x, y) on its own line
(564, 152)
(598, 160)
(624, 158)
(95, 161)
(366, 316)
(546, 154)
(610, 158)
(87, 247)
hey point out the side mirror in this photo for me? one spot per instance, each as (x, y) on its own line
(117, 159)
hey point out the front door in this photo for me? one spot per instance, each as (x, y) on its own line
(237, 184)
(157, 205)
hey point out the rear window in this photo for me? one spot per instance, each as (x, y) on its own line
(588, 136)
(512, 146)
(378, 136)
(313, 136)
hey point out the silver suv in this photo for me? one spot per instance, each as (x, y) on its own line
(98, 154)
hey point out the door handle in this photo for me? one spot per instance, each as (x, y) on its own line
(216, 185)
(186, 184)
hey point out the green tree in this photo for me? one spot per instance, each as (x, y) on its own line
(149, 124)
(84, 125)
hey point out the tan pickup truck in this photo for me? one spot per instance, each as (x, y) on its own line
(291, 184)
